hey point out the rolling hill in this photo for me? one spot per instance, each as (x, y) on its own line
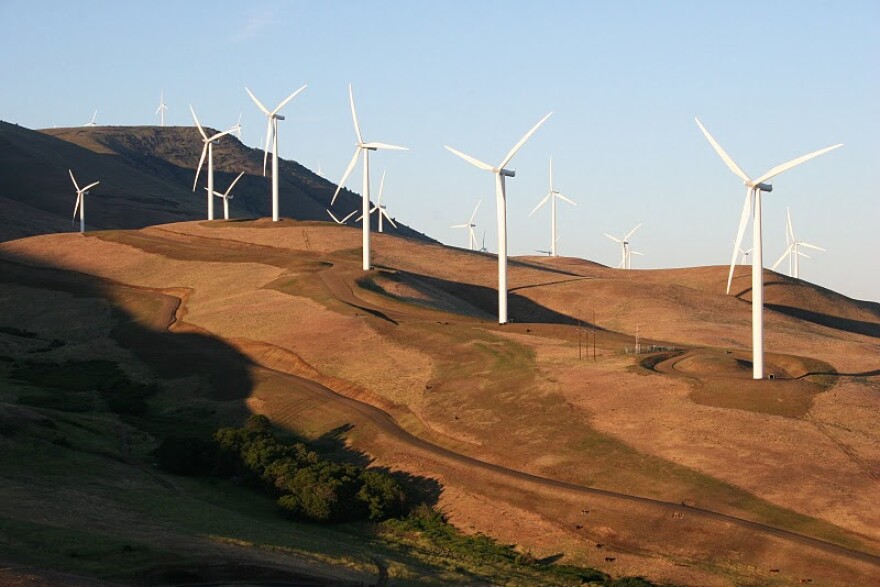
(548, 433)
(146, 176)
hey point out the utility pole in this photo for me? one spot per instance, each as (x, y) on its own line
(638, 347)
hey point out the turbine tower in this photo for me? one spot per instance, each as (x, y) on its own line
(501, 207)
(272, 135)
(162, 108)
(207, 147)
(793, 252)
(362, 147)
(226, 197)
(81, 201)
(625, 252)
(472, 238)
(754, 188)
(552, 196)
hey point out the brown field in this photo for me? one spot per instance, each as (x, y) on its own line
(677, 463)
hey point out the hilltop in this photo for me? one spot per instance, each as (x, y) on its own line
(146, 175)
(671, 464)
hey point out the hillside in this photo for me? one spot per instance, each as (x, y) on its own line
(546, 433)
(146, 176)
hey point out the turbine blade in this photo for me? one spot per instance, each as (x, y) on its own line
(561, 197)
(541, 203)
(76, 206)
(469, 159)
(459, 226)
(198, 125)
(354, 116)
(199, 168)
(794, 163)
(522, 141)
(73, 179)
(93, 184)
(350, 214)
(743, 220)
(782, 258)
(630, 233)
(337, 220)
(345, 175)
(471, 221)
(220, 134)
(803, 255)
(636, 253)
(809, 246)
(232, 185)
(269, 128)
(286, 100)
(381, 189)
(387, 217)
(257, 102)
(614, 238)
(731, 164)
(384, 146)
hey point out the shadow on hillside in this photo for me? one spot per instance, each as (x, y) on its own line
(836, 322)
(168, 355)
(485, 299)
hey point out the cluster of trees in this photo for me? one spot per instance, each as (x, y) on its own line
(306, 486)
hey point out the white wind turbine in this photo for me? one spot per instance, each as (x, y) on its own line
(552, 196)
(272, 135)
(92, 121)
(472, 238)
(364, 148)
(226, 197)
(207, 147)
(162, 108)
(380, 207)
(754, 188)
(793, 252)
(625, 252)
(81, 201)
(345, 219)
(501, 210)
(744, 255)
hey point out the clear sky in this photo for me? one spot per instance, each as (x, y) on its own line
(772, 80)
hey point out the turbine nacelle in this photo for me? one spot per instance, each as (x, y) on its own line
(506, 173)
(764, 187)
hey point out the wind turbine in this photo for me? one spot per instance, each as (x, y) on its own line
(344, 220)
(625, 252)
(793, 252)
(364, 148)
(207, 147)
(238, 126)
(272, 135)
(378, 206)
(161, 109)
(92, 121)
(81, 200)
(752, 204)
(501, 210)
(744, 256)
(483, 248)
(552, 196)
(472, 238)
(226, 197)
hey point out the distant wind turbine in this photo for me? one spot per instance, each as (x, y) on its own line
(226, 197)
(383, 213)
(793, 252)
(483, 248)
(272, 135)
(501, 210)
(162, 108)
(552, 196)
(345, 219)
(81, 200)
(207, 148)
(92, 121)
(744, 256)
(625, 252)
(364, 148)
(472, 238)
(754, 188)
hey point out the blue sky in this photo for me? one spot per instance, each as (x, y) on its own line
(771, 80)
